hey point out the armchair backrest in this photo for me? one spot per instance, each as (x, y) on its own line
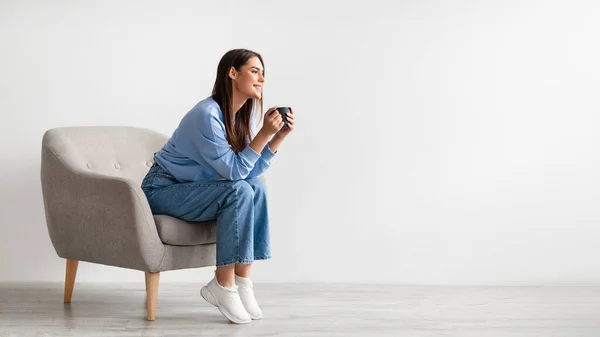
(121, 151)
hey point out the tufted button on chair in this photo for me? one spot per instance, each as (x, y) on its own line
(97, 212)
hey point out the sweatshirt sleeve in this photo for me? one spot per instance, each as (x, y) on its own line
(263, 163)
(210, 145)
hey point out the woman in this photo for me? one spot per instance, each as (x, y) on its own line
(209, 170)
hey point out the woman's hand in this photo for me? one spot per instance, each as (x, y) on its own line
(284, 132)
(272, 122)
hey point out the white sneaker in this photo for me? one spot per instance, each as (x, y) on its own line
(227, 300)
(245, 288)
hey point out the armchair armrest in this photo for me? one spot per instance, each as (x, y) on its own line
(98, 218)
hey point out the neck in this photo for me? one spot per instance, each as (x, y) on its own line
(238, 101)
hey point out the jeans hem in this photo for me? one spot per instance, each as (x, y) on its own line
(242, 261)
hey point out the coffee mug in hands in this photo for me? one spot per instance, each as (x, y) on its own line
(284, 111)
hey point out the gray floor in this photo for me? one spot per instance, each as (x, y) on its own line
(305, 310)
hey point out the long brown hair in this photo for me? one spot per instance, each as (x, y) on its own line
(238, 133)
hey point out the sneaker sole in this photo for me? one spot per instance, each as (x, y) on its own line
(256, 318)
(210, 298)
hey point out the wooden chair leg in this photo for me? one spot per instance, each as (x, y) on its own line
(151, 294)
(70, 279)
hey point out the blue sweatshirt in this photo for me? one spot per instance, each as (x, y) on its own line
(198, 149)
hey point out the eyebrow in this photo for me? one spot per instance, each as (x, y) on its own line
(257, 68)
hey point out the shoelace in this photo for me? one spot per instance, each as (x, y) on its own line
(247, 286)
(234, 296)
(247, 292)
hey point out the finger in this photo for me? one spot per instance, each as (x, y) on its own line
(271, 109)
(291, 110)
(274, 116)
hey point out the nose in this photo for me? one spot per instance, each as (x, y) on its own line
(261, 78)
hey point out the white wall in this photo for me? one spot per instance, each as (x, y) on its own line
(438, 142)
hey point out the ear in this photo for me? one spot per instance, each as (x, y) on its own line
(232, 73)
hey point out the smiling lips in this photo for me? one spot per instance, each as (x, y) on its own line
(259, 87)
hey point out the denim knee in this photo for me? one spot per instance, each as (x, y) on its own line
(243, 189)
(257, 185)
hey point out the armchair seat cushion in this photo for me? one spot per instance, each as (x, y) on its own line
(176, 232)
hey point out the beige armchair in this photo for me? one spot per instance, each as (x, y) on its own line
(96, 211)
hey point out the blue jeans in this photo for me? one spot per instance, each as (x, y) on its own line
(239, 207)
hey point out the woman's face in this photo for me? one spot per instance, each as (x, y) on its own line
(250, 79)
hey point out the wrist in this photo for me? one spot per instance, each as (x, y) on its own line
(263, 134)
(278, 135)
